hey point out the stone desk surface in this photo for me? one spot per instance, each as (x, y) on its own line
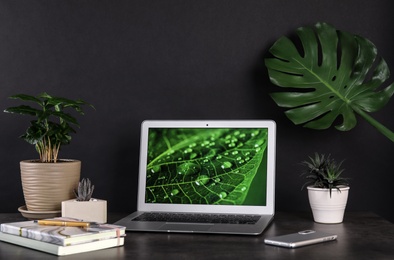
(362, 235)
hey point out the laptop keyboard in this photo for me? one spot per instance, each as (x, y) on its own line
(198, 218)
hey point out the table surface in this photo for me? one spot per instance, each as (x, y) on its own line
(362, 235)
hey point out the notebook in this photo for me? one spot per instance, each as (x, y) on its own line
(199, 176)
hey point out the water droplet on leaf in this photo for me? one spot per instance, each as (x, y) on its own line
(174, 192)
(222, 195)
(188, 150)
(188, 168)
(226, 165)
(155, 169)
(202, 180)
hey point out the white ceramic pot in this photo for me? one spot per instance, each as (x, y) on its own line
(326, 209)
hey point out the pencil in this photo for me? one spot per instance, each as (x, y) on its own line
(48, 222)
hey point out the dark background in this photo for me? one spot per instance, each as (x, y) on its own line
(137, 60)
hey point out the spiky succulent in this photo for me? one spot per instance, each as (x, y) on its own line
(84, 191)
(324, 172)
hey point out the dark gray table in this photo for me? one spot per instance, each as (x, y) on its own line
(363, 235)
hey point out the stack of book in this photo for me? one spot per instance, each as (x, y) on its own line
(61, 236)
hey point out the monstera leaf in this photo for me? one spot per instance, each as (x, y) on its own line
(334, 74)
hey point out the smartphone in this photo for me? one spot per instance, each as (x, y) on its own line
(302, 238)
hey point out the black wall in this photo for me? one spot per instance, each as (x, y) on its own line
(137, 60)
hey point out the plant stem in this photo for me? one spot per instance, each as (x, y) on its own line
(55, 152)
(381, 128)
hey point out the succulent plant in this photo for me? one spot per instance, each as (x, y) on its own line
(324, 172)
(84, 191)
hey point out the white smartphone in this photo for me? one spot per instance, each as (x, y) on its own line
(302, 238)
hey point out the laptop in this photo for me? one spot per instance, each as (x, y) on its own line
(199, 176)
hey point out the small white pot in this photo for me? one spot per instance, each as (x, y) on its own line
(91, 211)
(326, 209)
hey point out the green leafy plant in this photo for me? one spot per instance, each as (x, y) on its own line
(52, 127)
(84, 191)
(324, 172)
(334, 74)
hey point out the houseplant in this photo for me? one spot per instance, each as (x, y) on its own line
(84, 207)
(48, 180)
(334, 74)
(327, 189)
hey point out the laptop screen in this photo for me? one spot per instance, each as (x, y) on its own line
(206, 166)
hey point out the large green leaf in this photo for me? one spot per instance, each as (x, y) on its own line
(334, 74)
(24, 110)
(203, 167)
(25, 97)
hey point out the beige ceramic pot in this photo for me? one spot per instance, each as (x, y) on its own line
(46, 185)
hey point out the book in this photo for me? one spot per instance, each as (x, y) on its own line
(62, 235)
(61, 250)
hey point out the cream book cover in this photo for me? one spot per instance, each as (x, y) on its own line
(62, 235)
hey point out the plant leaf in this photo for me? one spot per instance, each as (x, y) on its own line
(65, 116)
(25, 97)
(330, 78)
(35, 133)
(23, 110)
(190, 166)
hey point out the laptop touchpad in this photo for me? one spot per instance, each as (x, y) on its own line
(186, 227)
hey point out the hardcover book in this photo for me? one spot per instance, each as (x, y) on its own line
(61, 250)
(61, 235)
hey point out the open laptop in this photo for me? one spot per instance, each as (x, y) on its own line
(201, 176)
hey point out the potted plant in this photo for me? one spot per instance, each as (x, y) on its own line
(84, 207)
(47, 181)
(327, 189)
